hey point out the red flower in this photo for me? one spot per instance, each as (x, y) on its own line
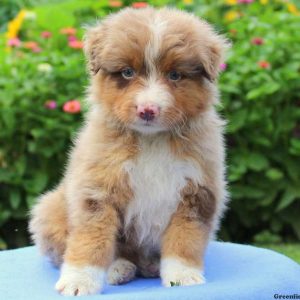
(257, 41)
(115, 3)
(76, 44)
(139, 4)
(245, 1)
(72, 107)
(50, 104)
(68, 31)
(46, 34)
(264, 64)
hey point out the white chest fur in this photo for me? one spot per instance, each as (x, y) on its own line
(157, 179)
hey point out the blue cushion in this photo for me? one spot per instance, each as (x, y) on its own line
(232, 271)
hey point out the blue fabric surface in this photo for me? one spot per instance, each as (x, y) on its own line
(232, 272)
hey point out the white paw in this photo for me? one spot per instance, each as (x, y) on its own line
(79, 281)
(121, 271)
(174, 272)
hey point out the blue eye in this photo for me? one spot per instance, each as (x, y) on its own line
(128, 73)
(174, 75)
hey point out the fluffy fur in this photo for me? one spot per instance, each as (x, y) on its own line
(139, 191)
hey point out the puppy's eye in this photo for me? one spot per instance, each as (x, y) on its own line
(128, 73)
(174, 75)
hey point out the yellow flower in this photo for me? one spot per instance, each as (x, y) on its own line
(188, 2)
(292, 8)
(15, 25)
(231, 2)
(231, 15)
(264, 2)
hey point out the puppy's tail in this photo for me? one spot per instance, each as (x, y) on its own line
(48, 224)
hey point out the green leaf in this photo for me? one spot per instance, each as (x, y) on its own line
(4, 215)
(38, 183)
(30, 200)
(288, 197)
(237, 120)
(274, 174)
(3, 245)
(257, 161)
(15, 198)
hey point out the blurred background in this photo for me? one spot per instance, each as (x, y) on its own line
(42, 86)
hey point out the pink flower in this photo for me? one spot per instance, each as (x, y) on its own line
(139, 4)
(257, 41)
(72, 38)
(50, 104)
(14, 42)
(223, 67)
(264, 64)
(245, 1)
(76, 44)
(37, 50)
(68, 31)
(72, 107)
(46, 34)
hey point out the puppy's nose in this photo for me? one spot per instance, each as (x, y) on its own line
(147, 112)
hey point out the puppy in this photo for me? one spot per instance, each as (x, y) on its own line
(144, 188)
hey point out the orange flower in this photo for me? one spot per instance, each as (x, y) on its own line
(68, 31)
(76, 44)
(72, 107)
(115, 3)
(139, 4)
(264, 64)
(233, 31)
(33, 46)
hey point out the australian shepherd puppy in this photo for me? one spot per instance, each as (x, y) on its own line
(144, 188)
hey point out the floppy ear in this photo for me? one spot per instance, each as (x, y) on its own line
(214, 56)
(93, 46)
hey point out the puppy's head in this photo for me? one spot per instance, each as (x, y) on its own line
(153, 70)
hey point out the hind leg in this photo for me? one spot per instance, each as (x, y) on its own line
(121, 271)
(48, 225)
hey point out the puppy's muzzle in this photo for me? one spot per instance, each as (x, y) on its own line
(148, 112)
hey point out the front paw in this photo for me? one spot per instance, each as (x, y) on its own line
(79, 281)
(173, 272)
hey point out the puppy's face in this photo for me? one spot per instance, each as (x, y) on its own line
(153, 70)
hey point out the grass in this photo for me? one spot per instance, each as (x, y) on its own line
(290, 250)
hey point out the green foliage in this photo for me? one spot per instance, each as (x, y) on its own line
(260, 99)
(290, 250)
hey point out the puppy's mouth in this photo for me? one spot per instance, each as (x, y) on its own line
(147, 126)
(148, 123)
